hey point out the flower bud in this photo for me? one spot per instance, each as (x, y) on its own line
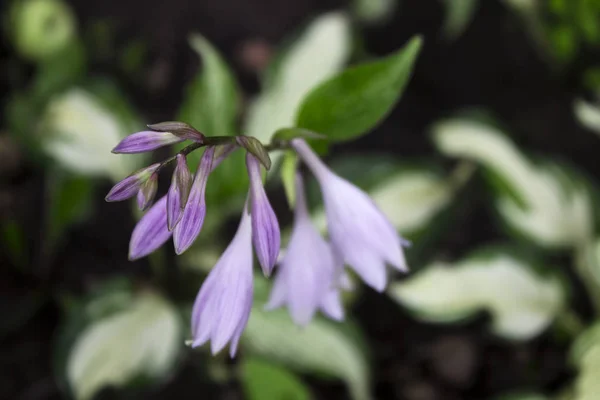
(147, 192)
(179, 129)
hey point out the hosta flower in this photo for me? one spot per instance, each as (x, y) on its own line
(188, 229)
(359, 232)
(147, 192)
(179, 192)
(305, 279)
(265, 228)
(151, 231)
(131, 185)
(144, 141)
(222, 307)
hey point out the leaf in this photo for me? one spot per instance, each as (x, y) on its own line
(263, 380)
(320, 347)
(374, 11)
(522, 303)
(326, 39)
(459, 14)
(14, 242)
(585, 355)
(79, 130)
(588, 115)
(211, 101)
(356, 100)
(543, 202)
(523, 396)
(141, 339)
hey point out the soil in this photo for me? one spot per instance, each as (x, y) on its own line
(493, 65)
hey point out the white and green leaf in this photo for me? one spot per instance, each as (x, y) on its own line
(141, 339)
(543, 202)
(522, 303)
(585, 356)
(588, 114)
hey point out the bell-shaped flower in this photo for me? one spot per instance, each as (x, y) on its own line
(141, 142)
(305, 277)
(188, 228)
(131, 185)
(151, 231)
(359, 232)
(179, 192)
(222, 307)
(265, 227)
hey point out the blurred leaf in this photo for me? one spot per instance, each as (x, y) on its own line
(141, 339)
(70, 200)
(356, 100)
(543, 202)
(41, 28)
(320, 347)
(523, 396)
(14, 242)
(522, 303)
(79, 130)
(288, 176)
(374, 11)
(296, 72)
(262, 380)
(588, 114)
(459, 14)
(60, 71)
(585, 355)
(17, 310)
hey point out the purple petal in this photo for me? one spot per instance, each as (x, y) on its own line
(179, 191)
(188, 229)
(331, 305)
(144, 141)
(129, 186)
(147, 192)
(265, 227)
(150, 232)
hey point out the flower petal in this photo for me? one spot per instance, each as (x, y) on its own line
(150, 232)
(179, 192)
(188, 229)
(129, 186)
(265, 227)
(144, 141)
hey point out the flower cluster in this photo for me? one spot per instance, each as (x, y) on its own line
(311, 274)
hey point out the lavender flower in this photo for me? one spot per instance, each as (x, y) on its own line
(222, 307)
(130, 186)
(188, 229)
(144, 141)
(179, 192)
(305, 278)
(359, 232)
(150, 232)
(265, 228)
(147, 192)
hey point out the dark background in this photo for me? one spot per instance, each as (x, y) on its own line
(494, 65)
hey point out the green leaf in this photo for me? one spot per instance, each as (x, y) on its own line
(585, 355)
(263, 380)
(374, 11)
(320, 347)
(459, 14)
(521, 302)
(70, 200)
(288, 176)
(295, 73)
(543, 202)
(356, 100)
(211, 101)
(139, 338)
(522, 396)
(14, 242)
(588, 114)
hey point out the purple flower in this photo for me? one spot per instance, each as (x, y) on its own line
(222, 307)
(188, 229)
(150, 232)
(265, 228)
(144, 141)
(147, 192)
(179, 192)
(305, 278)
(130, 186)
(360, 233)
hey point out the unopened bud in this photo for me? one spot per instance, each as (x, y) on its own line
(179, 129)
(146, 194)
(256, 148)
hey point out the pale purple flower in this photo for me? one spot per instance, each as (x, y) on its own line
(190, 225)
(359, 232)
(150, 232)
(265, 227)
(179, 191)
(144, 141)
(131, 185)
(305, 278)
(222, 307)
